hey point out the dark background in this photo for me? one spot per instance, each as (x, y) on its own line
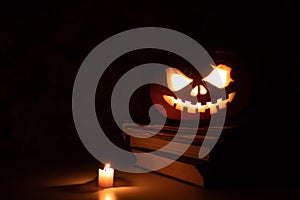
(43, 43)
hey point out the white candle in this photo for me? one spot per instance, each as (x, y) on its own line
(106, 176)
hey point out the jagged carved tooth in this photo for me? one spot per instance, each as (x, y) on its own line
(198, 106)
(212, 108)
(201, 108)
(184, 104)
(188, 102)
(222, 104)
(179, 105)
(219, 100)
(190, 108)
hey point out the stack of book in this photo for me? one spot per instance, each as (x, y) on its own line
(188, 167)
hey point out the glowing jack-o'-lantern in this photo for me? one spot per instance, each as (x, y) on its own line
(178, 100)
(176, 80)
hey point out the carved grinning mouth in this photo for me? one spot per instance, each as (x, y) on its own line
(193, 108)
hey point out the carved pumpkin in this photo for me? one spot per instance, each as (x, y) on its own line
(184, 84)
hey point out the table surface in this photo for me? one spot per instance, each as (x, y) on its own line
(63, 174)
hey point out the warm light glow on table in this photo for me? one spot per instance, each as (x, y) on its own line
(107, 195)
(106, 176)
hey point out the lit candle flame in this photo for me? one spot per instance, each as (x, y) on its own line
(107, 166)
(106, 176)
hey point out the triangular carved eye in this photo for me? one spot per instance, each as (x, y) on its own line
(220, 76)
(176, 80)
